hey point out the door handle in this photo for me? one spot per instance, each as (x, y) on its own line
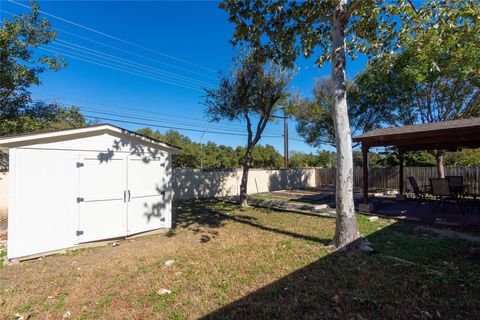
(129, 196)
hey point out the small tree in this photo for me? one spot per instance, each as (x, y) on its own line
(252, 92)
(315, 116)
(19, 70)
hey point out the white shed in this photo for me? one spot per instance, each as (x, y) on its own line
(73, 186)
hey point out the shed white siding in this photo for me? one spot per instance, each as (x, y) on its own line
(73, 190)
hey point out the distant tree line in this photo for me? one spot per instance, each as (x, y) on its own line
(386, 158)
(214, 156)
(389, 158)
(210, 155)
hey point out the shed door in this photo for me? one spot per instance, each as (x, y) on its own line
(102, 206)
(146, 194)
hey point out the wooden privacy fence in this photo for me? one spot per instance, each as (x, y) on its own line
(387, 178)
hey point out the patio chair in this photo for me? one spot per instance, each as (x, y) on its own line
(440, 189)
(455, 180)
(419, 193)
(456, 185)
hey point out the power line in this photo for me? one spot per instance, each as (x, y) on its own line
(135, 72)
(129, 108)
(125, 51)
(127, 61)
(134, 64)
(154, 125)
(168, 115)
(178, 128)
(135, 117)
(102, 63)
(125, 65)
(119, 69)
(123, 115)
(116, 38)
(301, 140)
(136, 54)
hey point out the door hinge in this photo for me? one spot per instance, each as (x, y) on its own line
(80, 164)
(80, 199)
(79, 233)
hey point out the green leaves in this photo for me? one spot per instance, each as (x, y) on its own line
(286, 29)
(314, 116)
(20, 69)
(42, 117)
(255, 89)
(435, 76)
(212, 155)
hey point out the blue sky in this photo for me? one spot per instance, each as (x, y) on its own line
(159, 55)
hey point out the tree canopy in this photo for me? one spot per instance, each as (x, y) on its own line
(315, 116)
(212, 155)
(20, 68)
(435, 76)
(324, 159)
(253, 91)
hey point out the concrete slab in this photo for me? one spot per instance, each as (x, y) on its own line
(366, 207)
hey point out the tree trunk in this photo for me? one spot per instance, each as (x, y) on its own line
(439, 158)
(346, 232)
(246, 168)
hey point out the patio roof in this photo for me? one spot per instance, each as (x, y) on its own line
(449, 135)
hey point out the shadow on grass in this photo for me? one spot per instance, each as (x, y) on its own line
(442, 282)
(204, 213)
(413, 274)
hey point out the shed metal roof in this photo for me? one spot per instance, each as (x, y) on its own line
(32, 138)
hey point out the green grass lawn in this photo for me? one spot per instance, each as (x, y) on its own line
(254, 263)
(3, 254)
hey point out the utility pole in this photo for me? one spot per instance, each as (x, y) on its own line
(285, 139)
(201, 150)
(285, 136)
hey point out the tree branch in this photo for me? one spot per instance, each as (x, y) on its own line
(410, 2)
(249, 127)
(354, 6)
(473, 103)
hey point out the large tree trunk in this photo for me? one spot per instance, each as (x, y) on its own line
(439, 156)
(439, 159)
(244, 182)
(346, 232)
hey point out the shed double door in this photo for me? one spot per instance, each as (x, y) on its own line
(119, 197)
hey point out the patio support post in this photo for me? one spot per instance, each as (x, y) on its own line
(365, 173)
(365, 206)
(400, 171)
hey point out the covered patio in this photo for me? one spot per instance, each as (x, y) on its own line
(450, 136)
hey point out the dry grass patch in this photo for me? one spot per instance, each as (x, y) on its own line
(233, 263)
